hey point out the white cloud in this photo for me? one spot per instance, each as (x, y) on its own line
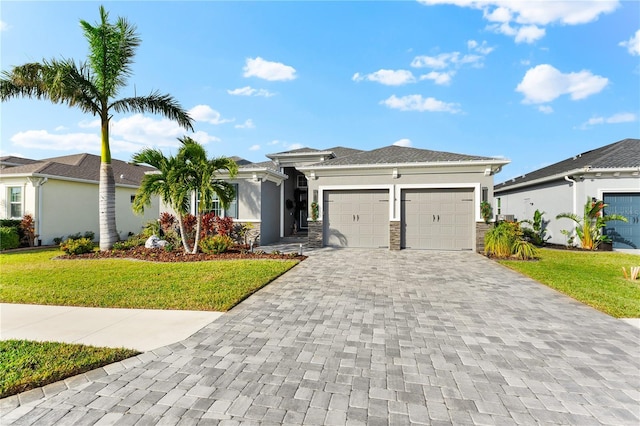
(267, 70)
(42, 139)
(250, 91)
(544, 83)
(207, 114)
(622, 117)
(254, 148)
(545, 109)
(293, 146)
(444, 65)
(633, 44)
(387, 77)
(442, 78)
(89, 124)
(3, 26)
(524, 19)
(60, 128)
(248, 124)
(418, 103)
(403, 142)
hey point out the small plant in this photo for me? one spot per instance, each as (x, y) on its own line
(215, 244)
(135, 241)
(276, 252)
(58, 240)
(589, 226)
(151, 228)
(569, 235)
(77, 246)
(89, 235)
(505, 240)
(28, 227)
(486, 211)
(537, 234)
(634, 273)
(524, 250)
(244, 232)
(314, 211)
(9, 238)
(167, 221)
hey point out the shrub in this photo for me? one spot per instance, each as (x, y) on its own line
(167, 221)
(151, 228)
(9, 238)
(506, 239)
(135, 241)
(77, 246)
(524, 250)
(28, 227)
(89, 235)
(215, 244)
(486, 211)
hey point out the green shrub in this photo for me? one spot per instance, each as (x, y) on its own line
(9, 238)
(77, 246)
(135, 241)
(216, 244)
(524, 250)
(13, 223)
(505, 240)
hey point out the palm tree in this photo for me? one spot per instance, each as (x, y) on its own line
(166, 183)
(91, 86)
(200, 176)
(588, 227)
(190, 171)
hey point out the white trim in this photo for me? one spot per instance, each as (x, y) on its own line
(477, 188)
(492, 162)
(598, 173)
(281, 203)
(602, 191)
(247, 220)
(64, 178)
(323, 188)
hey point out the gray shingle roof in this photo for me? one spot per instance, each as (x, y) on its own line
(621, 154)
(341, 151)
(397, 155)
(82, 167)
(261, 165)
(297, 151)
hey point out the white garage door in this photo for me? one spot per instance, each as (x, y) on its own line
(356, 218)
(439, 219)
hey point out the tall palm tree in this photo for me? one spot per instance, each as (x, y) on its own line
(91, 86)
(200, 176)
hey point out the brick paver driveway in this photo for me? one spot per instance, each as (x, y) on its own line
(373, 337)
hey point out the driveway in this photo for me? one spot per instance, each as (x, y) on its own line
(372, 337)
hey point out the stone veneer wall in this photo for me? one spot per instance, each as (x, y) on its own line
(254, 233)
(481, 229)
(394, 235)
(315, 234)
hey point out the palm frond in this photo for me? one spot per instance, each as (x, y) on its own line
(155, 103)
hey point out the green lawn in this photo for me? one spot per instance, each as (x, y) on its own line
(35, 277)
(27, 365)
(594, 278)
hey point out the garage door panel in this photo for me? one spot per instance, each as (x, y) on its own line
(356, 218)
(625, 235)
(437, 219)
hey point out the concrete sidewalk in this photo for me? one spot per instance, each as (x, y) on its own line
(140, 329)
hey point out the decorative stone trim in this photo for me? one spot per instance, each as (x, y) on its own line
(315, 234)
(394, 235)
(481, 230)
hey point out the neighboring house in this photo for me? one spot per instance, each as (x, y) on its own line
(61, 194)
(610, 173)
(393, 197)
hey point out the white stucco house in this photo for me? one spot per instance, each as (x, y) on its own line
(393, 197)
(61, 194)
(610, 173)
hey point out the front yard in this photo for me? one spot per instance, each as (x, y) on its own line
(36, 277)
(593, 278)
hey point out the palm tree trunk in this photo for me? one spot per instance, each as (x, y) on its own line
(107, 207)
(198, 227)
(183, 235)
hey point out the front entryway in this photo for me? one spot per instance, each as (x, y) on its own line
(357, 218)
(625, 235)
(439, 219)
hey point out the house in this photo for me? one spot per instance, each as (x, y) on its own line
(61, 194)
(393, 197)
(610, 173)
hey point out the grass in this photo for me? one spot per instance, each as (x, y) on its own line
(27, 365)
(593, 278)
(35, 277)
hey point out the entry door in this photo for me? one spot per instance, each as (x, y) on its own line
(624, 234)
(439, 219)
(356, 218)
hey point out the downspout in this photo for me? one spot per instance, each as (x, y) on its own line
(282, 206)
(37, 183)
(573, 182)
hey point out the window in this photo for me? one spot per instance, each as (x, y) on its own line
(499, 205)
(485, 194)
(15, 202)
(301, 181)
(216, 207)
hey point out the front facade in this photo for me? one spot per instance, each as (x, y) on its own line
(62, 195)
(393, 197)
(610, 173)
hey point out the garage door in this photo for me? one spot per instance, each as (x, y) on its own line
(624, 234)
(439, 219)
(356, 218)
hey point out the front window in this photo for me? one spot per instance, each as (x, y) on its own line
(216, 206)
(499, 205)
(15, 202)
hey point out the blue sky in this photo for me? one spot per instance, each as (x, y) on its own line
(535, 82)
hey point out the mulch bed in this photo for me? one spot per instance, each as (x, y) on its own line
(161, 255)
